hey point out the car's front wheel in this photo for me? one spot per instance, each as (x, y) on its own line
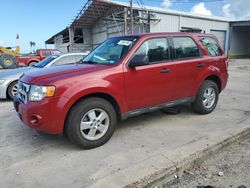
(91, 122)
(206, 98)
(12, 89)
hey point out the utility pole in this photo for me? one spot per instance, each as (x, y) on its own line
(131, 17)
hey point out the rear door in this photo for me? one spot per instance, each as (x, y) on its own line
(151, 84)
(188, 64)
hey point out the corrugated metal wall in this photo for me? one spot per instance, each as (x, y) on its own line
(174, 23)
(106, 29)
(167, 23)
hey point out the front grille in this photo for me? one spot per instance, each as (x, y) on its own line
(23, 90)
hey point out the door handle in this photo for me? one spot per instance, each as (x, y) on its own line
(165, 70)
(200, 65)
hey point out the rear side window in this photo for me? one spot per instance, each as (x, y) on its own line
(156, 49)
(46, 53)
(185, 47)
(211, 46)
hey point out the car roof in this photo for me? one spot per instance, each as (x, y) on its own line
(167, 34)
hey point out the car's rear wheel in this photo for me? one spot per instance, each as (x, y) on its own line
(91, 122)
(32, 63)
(207, 98)
(12, 89)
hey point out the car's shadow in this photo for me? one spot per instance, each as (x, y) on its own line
(184, 109)
(61, 141)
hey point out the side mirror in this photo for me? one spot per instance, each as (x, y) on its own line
(138, 60)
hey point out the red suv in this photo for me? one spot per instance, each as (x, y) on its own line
(123, 77)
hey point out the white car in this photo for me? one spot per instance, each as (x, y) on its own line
(9, 78)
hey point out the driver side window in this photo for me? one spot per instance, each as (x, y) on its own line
(156, 49)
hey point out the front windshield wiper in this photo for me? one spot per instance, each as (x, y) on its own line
(89, 62)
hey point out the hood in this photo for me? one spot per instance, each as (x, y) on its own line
(55, 73)
(14, 74)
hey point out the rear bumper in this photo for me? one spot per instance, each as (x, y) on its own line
(224, 80)
(43, 116)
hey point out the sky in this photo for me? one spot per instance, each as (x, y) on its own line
(39, 20)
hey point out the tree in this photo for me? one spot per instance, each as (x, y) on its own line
(32, 44)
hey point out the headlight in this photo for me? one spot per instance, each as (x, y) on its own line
(37, 93)
(2, 81)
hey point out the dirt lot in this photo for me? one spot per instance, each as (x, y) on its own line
(230, 168)
(140, 147)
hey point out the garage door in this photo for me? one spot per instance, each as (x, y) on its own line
(221, 36)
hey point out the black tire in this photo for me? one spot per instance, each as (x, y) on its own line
(80, 110)
(32, 63)
(8, 61)
(198, 105)
(12, 89)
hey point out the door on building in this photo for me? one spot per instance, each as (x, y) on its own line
(221, 36)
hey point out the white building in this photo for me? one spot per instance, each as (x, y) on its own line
(102, 19)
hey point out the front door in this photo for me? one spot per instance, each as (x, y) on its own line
(151, 84)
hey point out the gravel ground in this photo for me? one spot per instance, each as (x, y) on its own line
(230, 168)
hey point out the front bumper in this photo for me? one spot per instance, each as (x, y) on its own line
(43, 116)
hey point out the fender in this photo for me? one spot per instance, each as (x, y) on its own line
(71, 95)
(33, 59)
(209, 71)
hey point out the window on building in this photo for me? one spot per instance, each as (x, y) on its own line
(211, 45)
(156, 50)
(191, 30)
(185, 47)
(78, 35)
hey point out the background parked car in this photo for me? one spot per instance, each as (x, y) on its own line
(9, 78)
(30, 60)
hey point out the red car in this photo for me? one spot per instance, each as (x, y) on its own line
(40, 54)
(123, 77)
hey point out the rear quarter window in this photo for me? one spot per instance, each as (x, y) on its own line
(211, 45)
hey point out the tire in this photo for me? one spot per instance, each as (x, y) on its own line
(81, 113)
(8, 61)
(32, 63)
(12, 89)
(206, 98)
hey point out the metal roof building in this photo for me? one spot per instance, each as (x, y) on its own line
(102, 19)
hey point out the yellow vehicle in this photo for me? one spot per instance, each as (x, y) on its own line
(8, 56)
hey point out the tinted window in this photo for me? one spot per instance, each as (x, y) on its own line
(68, 59)
(185, 47)
(46, 53)
(156, 50)
(211, 45)
(45, 61)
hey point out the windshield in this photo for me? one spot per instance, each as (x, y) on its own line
(45, 61)
(111, 51)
